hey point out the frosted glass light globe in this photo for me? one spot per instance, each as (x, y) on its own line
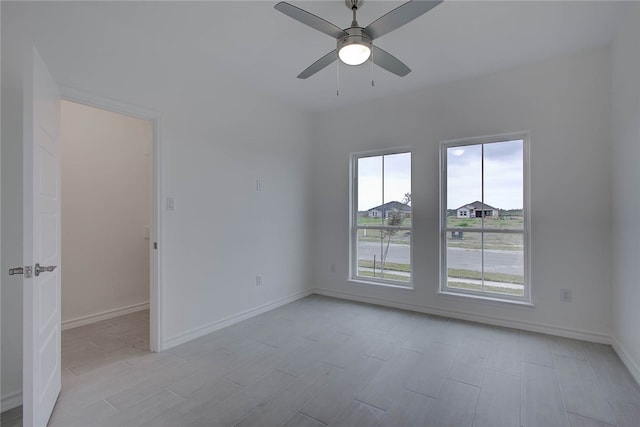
(354, 54)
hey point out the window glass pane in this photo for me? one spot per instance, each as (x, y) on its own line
(397, 188)
(464, 240)
(384, 254)
(503, 242)
(369, 251)
(504, 263)
(399, 215)
(464, 260)
(396, 254)
(370, 190)
(503, 185)
(464, 185)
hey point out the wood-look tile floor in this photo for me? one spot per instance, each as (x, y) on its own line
(321, 361)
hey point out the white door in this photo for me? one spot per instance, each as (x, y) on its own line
(41, 380)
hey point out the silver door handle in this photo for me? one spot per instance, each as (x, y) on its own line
(41, 269)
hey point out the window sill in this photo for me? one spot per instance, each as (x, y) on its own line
(359, 282)
(488, 300)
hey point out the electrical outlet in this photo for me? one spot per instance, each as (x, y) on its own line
(258, 184)
(333, 268)
(566, 295)
(258, 280)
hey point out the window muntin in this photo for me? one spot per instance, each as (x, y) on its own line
(484, 219)
(381, 218)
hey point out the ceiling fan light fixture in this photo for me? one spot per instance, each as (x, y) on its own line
(355, 47)
(354, 53)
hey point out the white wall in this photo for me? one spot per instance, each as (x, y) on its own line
(564, 103)
(106, 206)
(224, 232)
(217, 137)
(626, 196)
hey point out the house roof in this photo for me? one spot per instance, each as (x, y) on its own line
(477, 206)
(390, 206)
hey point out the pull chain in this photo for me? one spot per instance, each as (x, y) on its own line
(372, 82)
(338, 77)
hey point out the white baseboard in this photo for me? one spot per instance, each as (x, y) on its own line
(628, 361)
(228, 321)
(105, 315)
(495, 321)
(11, 400)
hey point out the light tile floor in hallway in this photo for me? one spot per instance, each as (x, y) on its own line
(321, 361)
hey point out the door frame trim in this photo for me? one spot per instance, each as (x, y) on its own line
(155, 289)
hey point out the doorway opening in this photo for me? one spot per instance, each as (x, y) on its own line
(107, 194)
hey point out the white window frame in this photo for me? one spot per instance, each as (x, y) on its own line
(354, 227)
(526, 232)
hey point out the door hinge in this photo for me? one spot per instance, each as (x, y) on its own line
(155, 245)
(27, 270)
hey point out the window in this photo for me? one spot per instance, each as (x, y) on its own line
(485, 253)
(381, 218)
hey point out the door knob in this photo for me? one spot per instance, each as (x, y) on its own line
(41, 269)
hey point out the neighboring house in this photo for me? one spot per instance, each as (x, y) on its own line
(476, 210)
(394, 206)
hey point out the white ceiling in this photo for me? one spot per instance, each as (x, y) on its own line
(252, 43)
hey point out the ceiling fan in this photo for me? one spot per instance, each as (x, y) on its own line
(355, 44)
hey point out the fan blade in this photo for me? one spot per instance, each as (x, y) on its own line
(384, 59)
(310, 19)
(399, 16)
(320, 64)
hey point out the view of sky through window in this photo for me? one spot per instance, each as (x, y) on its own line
(397, 179)
(503, 179)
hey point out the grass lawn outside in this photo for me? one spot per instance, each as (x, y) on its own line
(492, 241)
(384, 275)
(365, 268)
(406, 222)
(493, 289)
(391, 266)
(402, 237)
(509, 223)
(514, 279)
(469, 239)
